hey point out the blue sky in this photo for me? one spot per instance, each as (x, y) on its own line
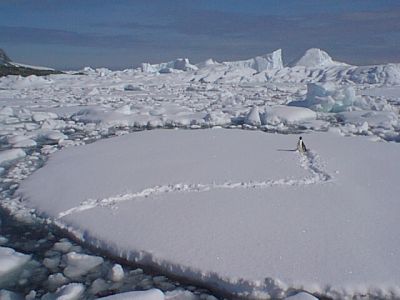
(70, 34)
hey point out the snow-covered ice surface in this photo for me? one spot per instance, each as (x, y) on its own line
(235, 209)
(41, 115)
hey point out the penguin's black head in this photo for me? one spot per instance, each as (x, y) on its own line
(300, 138)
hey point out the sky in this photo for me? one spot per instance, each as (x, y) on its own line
(119, 34)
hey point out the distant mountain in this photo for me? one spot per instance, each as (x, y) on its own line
(8, 67)
(4, 59)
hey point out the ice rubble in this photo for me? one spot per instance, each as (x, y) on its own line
(317, 196)
(8, 295)
(11, 264)
(71, 291)
(80, 264)
(328, 97)
(8, 156)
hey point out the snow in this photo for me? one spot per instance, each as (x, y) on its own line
(152, 294)
(319, 222)
(11, 264)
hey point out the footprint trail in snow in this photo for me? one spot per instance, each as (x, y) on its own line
(308, 161)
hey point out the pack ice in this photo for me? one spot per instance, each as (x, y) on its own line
(155, 167)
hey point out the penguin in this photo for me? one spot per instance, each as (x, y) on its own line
(301, 147)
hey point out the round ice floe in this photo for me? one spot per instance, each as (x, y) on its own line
(239, 210)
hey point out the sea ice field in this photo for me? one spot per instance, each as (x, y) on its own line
(182, 181)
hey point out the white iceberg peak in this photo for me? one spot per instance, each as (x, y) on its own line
(315, 58)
